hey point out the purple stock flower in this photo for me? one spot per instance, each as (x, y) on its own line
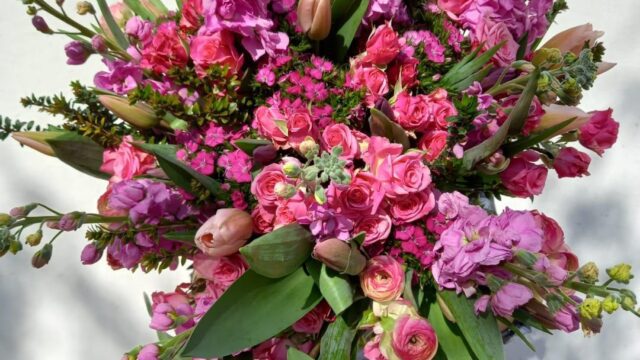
(126, 194)
(380, 10)
(326, 223)
(161, 318)
(517, 229)
(567, 319)
(149, 352)
(127, 255)
(99, 44)
(139, 29)
(90, 254)
(77, 53)
(70, 222)
(40, 24)
(509, 297)
(121, 77)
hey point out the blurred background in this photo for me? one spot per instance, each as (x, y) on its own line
(71, 311)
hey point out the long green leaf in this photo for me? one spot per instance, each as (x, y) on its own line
(336, 341)
(451, 344)
(381, 125)
(249, 145)
(254, 309)
(520, 112)
(518, 333)
(160, 5)
(111, 23)
(334, 287)
(533, 139)
(480, 332)
(186, 237)
(180, 173)
(347, 31)
(79, 152)
(139, 9)
(468, 66)
(295, 354)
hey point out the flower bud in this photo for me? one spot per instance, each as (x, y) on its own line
(284, 190)
(224, 233)
(77, 52)
(85, 7)
(309, 148)
(90, 254)
(610, 304)
(5, 219)
(99, 44)
(41, 25)
(340, 256)
(314, 18)
(628, 303)
(265, 154)
(37, 140)
(620, 273)
(547, 56)
(34, 239)
(589, 272)
(71, 221)
(573, 40)
(591, 308)
(523, 65)
(15, 246)
(291, 169)
(22, 211)
(42, 256)
(556, 114)
(60, 2)
(139, 115)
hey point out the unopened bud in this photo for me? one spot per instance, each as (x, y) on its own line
(99, 44)
(140, 115)
(591, 308)
(284, 190)
(37, 140)
(314, 18)
(34, 239)
(42, 256)
(589, 272)
(22, 211)
(41, 25)
(15, 246)
(340, 256)
(291, 169)
(309, 148)
(523, 65)
(85, 7)
(628, 303)
(60, 2)
(5, 219)
(610, 304)
(620, 273)
(265, 154)
(547, 56)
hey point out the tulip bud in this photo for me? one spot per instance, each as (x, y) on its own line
(37, 140)
(265, 154)
(41, 25)
(620, 273)
(284, 190)
(5, 219)
(42, 256)
(340, 256)
(314, 18)
(556, 114)
(573, 40)
(589, 272)
(139, 115)
(34, 239)
(224, 233)
(85, 7)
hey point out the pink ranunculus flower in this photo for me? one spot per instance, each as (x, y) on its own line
(413, 338)
(340, 135)
(491, 34)
(220, 272)
(600, 132)
(215, 49)
(126, 162)
(410, 174)
(383, 46)
(433, 144)
(411, 207)
(571, 163)
(224, 233)
(383, 279)
(376, 227)
(165, 50)
(265, 122)
(312, 322)
(264, 184)
(523, 178)
(372, 351)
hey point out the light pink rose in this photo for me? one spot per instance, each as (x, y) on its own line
(410, 174)
(433, 144)
(299, 125)
(221, 272)
(312, 322)
(383, 46)
(408, 208)
(224, 233)
(383, 279)
(491, 34)
(126, 162)
(454, 7)
(263, 185)
(571, 163)
(524, 178)
(380, 154)
(441, 108)
(376, 227)
(216, 49)
(340, 135)
(262, 220)
(600, 132)
(264, 121)
(413, 338)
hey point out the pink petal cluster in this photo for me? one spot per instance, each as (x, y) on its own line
(126, 161)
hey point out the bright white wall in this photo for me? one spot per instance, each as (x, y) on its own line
(71, 311)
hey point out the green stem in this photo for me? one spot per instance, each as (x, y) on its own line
(62, 17)
(55, 237)
(586, 288)
(48, 208)
(88, 219)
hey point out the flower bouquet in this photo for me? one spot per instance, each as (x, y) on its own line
(327, 170)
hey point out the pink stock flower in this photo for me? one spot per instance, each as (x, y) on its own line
(433, 144)
(312, 322)
(414, 338)
(553, 245)
(555, 274)
(224, 233)
(216, 49)
(221, 272)
(376, 227)
(165, 50)
(340, 135)
(524, 178)
(149, 352)
(454, 7)
(383, 46)
(383, 279)
(571, 163)
(411, 207)
(237, 165)
(509, 297)
(126, 161)
(491, 34)
(600, 132)
(166, 307)
(566, 319)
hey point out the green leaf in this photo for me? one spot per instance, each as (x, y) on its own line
(520, 112)
(282, 126)
(347, 30)
(451, 343)
(468, 66)
(518, 333)
(533, 139)
(113, 26)
(139, 9)
(480, 332)
(161, 6)
(79, 152)
(334, 287)
(186, 237)
(407, 293)
(528, 320)
(336, 341)
(381, 125)
(254, 309)
(280, 252)
(249, 145)
(180, 173)
(295, 354)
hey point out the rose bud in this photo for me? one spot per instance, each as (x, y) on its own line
(340, 256)
(140, 115)
(37, 140)
(383, 279)
(41, 25)
(574, 39)
(314, 18)
(413, 338)
(600, 132)
(265, 154)
(225, 232)
(571, 163)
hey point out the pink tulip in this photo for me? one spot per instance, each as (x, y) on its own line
(224, 233)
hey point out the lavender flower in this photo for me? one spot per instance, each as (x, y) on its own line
(77, 53)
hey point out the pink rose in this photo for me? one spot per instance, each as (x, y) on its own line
(553, 243)
(221, 272)
(358, 197)
(413, 338)
(441, 108)
(383, 279)
(126, 161)
(433, 144)
(165, 51)
(413, 112)
(299, 126)
(380, 154)
(383, 46)
(264, 120)
(262, 220)
(340, 135)
(410, 174)
(312, 322)
(491, 34)
(291, 210)
(264, 184)
(524, 178)
(373, 79)
(408, 208)
(224, 233)
(600, 132)
(571, 163)
(216, 49)
(454, 7)
(405, 70)
(376, 227)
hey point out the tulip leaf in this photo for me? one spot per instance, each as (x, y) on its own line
(517, 332)
(139, 9)
(337, 340)
(249, 145)
(346, 31)
(381, 125)
(113, 26)
(451, 344)
(334, 287)
(180, 173)
(481, 332)
(79, 152)
(520, 112)
(254, 309)
(295, 354)
(533, 139)
(280, 252)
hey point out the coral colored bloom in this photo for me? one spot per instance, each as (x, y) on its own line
(126, 161)
(217, 49)
(383, 46)
(383, 279)
(224, 233)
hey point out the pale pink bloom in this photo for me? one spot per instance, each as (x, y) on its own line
(574, 39)
(126, 162)
(383, 279)
(224, 233)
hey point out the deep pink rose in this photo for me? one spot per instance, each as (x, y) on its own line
(312, 322)
(216, 49)
(221, 272)
(410, 174)
(382, 279)
(523, 178)
(373, 79)
(376, 227)
(408, 208)
(491, 34)
(413, 338)
(454, 7)
(600, 132)
(433, 144)
(340, 135)
(358, 197)
(405, 70)
(413, 112)
(192, 14)
(571, 163)
(383, 46)
(262, 220)
(264, 120)
(126, 161)
(165, 51)
(441, 108)
(263, 185)
(299, 126)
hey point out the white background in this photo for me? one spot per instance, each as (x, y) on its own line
(71, 311)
